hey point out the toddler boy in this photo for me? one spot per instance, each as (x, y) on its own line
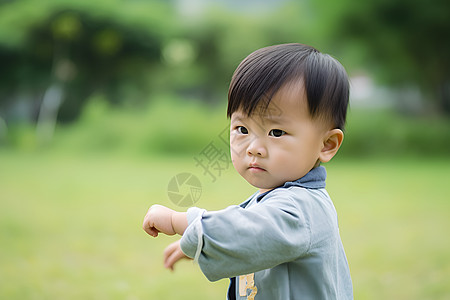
(287, 104)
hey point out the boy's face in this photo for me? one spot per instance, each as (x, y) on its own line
(279, 144)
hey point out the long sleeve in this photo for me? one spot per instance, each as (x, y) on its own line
(237, 241)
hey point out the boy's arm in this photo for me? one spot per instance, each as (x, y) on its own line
(162, 219)
(237, 241)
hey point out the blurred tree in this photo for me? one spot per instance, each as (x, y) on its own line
(56, 54)
(405, 41)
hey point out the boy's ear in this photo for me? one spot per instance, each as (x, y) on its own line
(332, 141)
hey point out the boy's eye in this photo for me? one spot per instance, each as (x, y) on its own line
(242, 130)
(277, 132)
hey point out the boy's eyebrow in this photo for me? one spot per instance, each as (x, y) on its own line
(273, 119)
(278, 119)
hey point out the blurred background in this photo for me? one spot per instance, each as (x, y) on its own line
(103, 102)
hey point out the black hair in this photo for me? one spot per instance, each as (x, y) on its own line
(261, 74)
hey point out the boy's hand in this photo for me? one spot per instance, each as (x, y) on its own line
(162, 219)
(158, 219)
(172, 254)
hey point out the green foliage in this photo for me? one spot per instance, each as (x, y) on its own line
(403, 42)
(167, 126)
(385, 133)
(19, 18)
(85, 46)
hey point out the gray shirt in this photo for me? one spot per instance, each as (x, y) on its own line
(287, 240)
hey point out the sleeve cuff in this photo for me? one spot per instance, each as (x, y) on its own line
(193, 213)
(192, 240)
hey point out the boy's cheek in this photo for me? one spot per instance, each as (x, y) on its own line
(238, 148)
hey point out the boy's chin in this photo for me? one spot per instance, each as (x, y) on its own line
(266, 187)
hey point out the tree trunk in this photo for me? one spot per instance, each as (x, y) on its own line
(48, 113)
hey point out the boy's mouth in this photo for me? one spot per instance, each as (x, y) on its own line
(256, 168)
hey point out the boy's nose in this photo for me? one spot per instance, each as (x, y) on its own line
(256, 148)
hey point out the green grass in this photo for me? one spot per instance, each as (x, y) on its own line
(70, 226)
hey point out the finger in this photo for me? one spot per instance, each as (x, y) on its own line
(147, 226)
(171, 260)
(169, 249)
(146, 223)
(153, 232)
(150, 230)
(170, 255)
(167, 253)
(174, 257)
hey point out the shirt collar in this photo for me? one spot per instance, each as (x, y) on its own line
(314, 179)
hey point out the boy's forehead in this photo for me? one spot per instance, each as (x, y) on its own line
(273, 113)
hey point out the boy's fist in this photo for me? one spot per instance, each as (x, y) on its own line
(158, 219)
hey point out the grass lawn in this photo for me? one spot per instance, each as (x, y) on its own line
(70, 227)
